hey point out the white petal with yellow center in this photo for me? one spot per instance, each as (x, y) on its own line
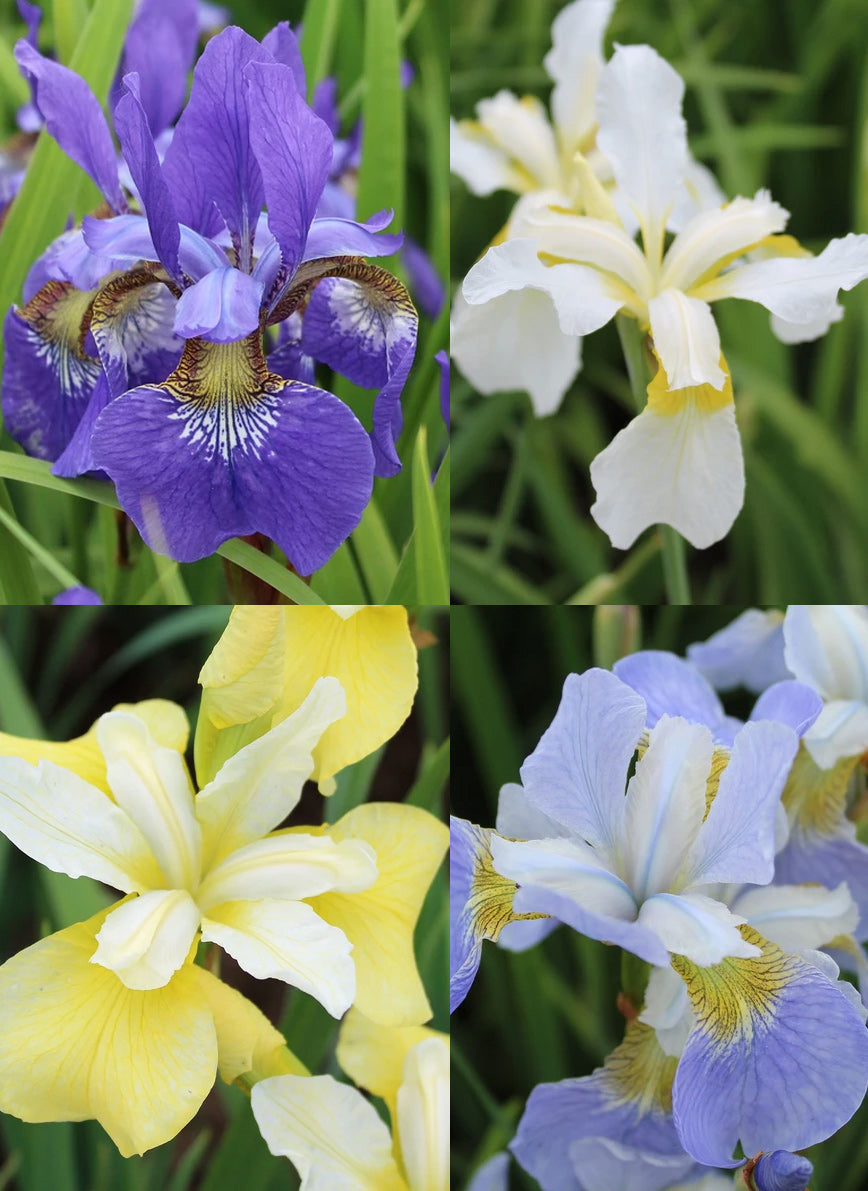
(290, 865)
(584, 299)
(256, 789)
(482, 165)
(146, 940)
(596, 242)
(283, 940)
(799, 916)
(574, 63)
(66, 824)
(423, 1116)
(643, 134)
(686, 339)
(515, 342)
(713, 236)
(329, 1131)
(521, 127)
(683, 469)
(150, 782)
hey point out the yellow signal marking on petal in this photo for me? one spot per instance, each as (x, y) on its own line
(774, 245)
(814, 798)
(491, 895)
(617, 288)
(639, 1072)
(731, 998)
(719, 762)
(663, 400)
(58, 313)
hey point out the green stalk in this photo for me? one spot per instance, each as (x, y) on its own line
(674, 555)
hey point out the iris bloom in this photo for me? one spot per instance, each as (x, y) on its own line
(224, 446)
(749, 652)
(679, 462)
(336, 1138)
(268, 659)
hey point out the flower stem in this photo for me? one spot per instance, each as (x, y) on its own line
(674, 553)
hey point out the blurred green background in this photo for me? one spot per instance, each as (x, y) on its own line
(59, 669)
(549, 1013)
(777, 96)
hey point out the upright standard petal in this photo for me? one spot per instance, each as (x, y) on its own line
(748, 652)
(577, 773)
(75, 120)
(283, 45)
(777, 1057)
(628, 1100)
(159, 46)
(643, 134)
(150, 782)
(379, 922)
(574, 62)
(670, 686)
(679, 463)
(48, 376)
(520, 126)
(224, 448)
(76, 1044)
(256, 789)
(329, 1131)
(210, 167)
(363, 324)
(826, 646)
(513, 342)
(57, 818)
(791, 703)
(422, 1118)
(736, 842)
(294, 150)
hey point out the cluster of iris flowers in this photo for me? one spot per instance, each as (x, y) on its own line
(730, 876)
(170, 342)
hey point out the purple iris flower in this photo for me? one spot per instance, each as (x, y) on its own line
(223, 445)
(77, 595)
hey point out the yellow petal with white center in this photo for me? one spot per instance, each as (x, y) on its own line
(329, 1131)
(345, 611)
(246, 1039)
(283, 940)
(57, 818)
(714, 239)
(257, 788)
(409, 844)
(150, 782)
(76, 1044)
(146, 940)
(423, 1116)
(373, 657)
(290, 865)
(373, 1055)
(167, 722)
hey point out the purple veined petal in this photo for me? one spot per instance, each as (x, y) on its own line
(222, 308)
(749, 652)
(828, 859)
(134, 133)
(363, 325)
(604, 1164)
(283, 45)
(210, 167)
(777, 1056)
(789, 702)
(127, 239)
(577, 774)
(67, 258)
(442, 358)
(346, 237)
(294, 151)
(426, 286)
(77, 595)
(670, 686)
(325, 103)
(75, 120)
(470, 858)
(625, 1101)
(225, 449)
(76, 459)
(288, 359)
(48, 379)
(160, 46)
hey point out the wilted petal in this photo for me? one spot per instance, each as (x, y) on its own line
(225, 449)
